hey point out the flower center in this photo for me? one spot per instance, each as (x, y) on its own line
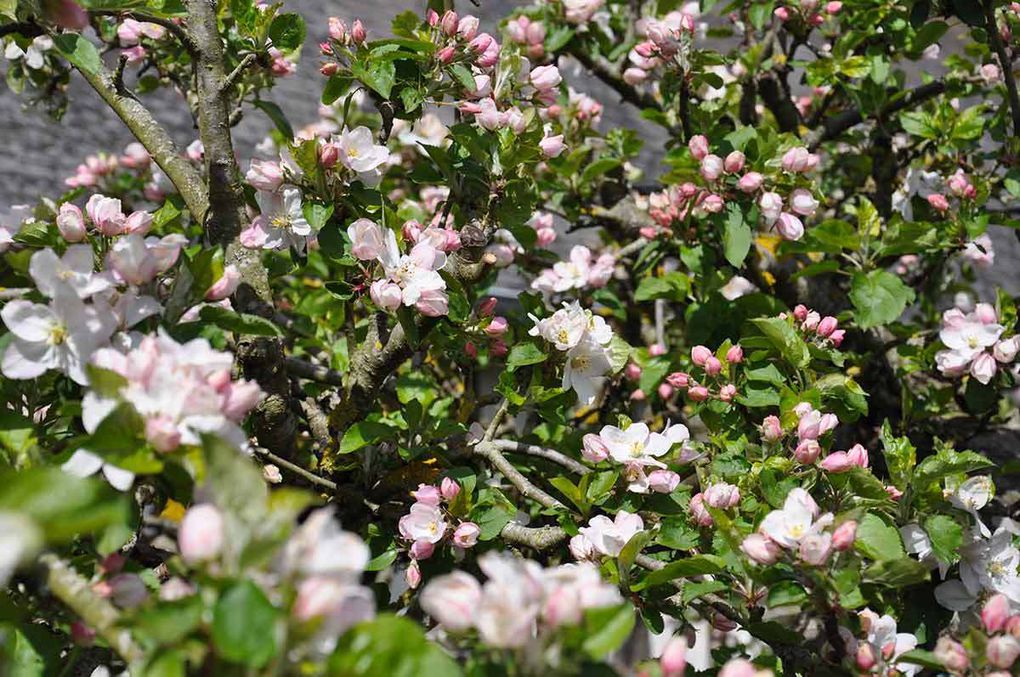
(280, 221)
(636, 449)
(581, 362)
(58, 334)
(796, 530)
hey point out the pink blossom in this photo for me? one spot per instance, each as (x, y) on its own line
(738, 667)
(466, 534)
(677, 379)
(771, 429)
(984, 367)
(552, 146)
(750, 182)
(698, 146)
(711, 167)
(265, 175)
(106, 214)
(700, 355)
(722, 495)
(836, 462)
(545, 77)
(673, 661)
(452, 600)
(734, 162)
(367, 240)
(844, 535)
(71, 223)
(760, 549)
(421, 549)
(201, 533)
(816, 548)
(771, 206)
(938, 202)
(698, 510)
(789, 226)
(385, 294)
(713, 366)
(1002, 651)
(798, 159)
(807, 451)
(803, 202)
(428, 494)
(735, 355)
(663, 481)
(995, 613)
(449, 488)
(858, 455)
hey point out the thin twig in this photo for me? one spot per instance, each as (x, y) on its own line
(118, 76)
(497, 418)
(235, 74)
(516, 447)
(498, 461)
(296, 469)
(1005, 64)
(176, 29)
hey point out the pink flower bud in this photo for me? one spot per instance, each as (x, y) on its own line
(427, 494)
(594, 449)
(760, 549)
(421, 549)
(771, 206)
(467, 27)
(734, 162)
(938, 202)
(552, 146)
(678, 379)
(497, 326)
(800, 312)
(858, 455)
(633, 372)
(985, 313)
(698, 146)
(337, 29)
(951, 654)
(771, 429)
(995, 613)
(487, 306)
(738, 667)
(827, 325)
(789, 226)
(735, 355)
(466, 535)
(471, 350)
(1002, 651)
(358, 33)
(413, 575)
(634, 76)
(698, 393)
(803, 202)
(711, 167)
(673, 661)
(844, 535)
(446, 54)
(200, 536)
(750, 182)
(798, 159)
(329, 68)
(385, 294)
(837, 462)
(727, 392)
(665, 391)
(698, 510)
(837, 337)
(498, 348)
(106, 214)
(663, 481)
(1005, 351)
(807, 452)
(722, 495)
(329, 154)
(480, 43)
(1013, 625)
(449, 22)
(162, 433)
(700, 355)
(449, 488)
(71, 223)
(432, 17)
(545, 77)
(833, 7)
(713, 366)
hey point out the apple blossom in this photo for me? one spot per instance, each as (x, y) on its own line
(608, 536)
(201, 534)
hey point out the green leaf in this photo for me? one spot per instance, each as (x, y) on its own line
(287, 31)
(736, 236)
(698, 565)
(948, 462)
(524, 354)
(673, 286)
(244, 625)
(946, 536)
(464, 76)
(239, 323)
(878, 540)
(17, 433)
(316, 214)
(335, 87)
(378, 75)
(606, 629)
(924, 658)
(785, 339)
(897, 573)
(629, 553)
(391, 646)
(900, 456)
(275, 114)
(171, 622)
(879, 297)
(362, 434)
(80, 52)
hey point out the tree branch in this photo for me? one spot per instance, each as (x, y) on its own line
(1005, 64)
(538, 538)
(498, 461)
(73, 590)
(314, 372)
(156, 140)
(516, 447)
(837, 124)
(235, 74)
(604, 71)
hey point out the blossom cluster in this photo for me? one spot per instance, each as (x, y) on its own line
(974, 344)
(425, 524)
(713, 368)
(797, 527)
(582, 270)
(637, 448)
(410, 279)
(585, 338)
(520, 603)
